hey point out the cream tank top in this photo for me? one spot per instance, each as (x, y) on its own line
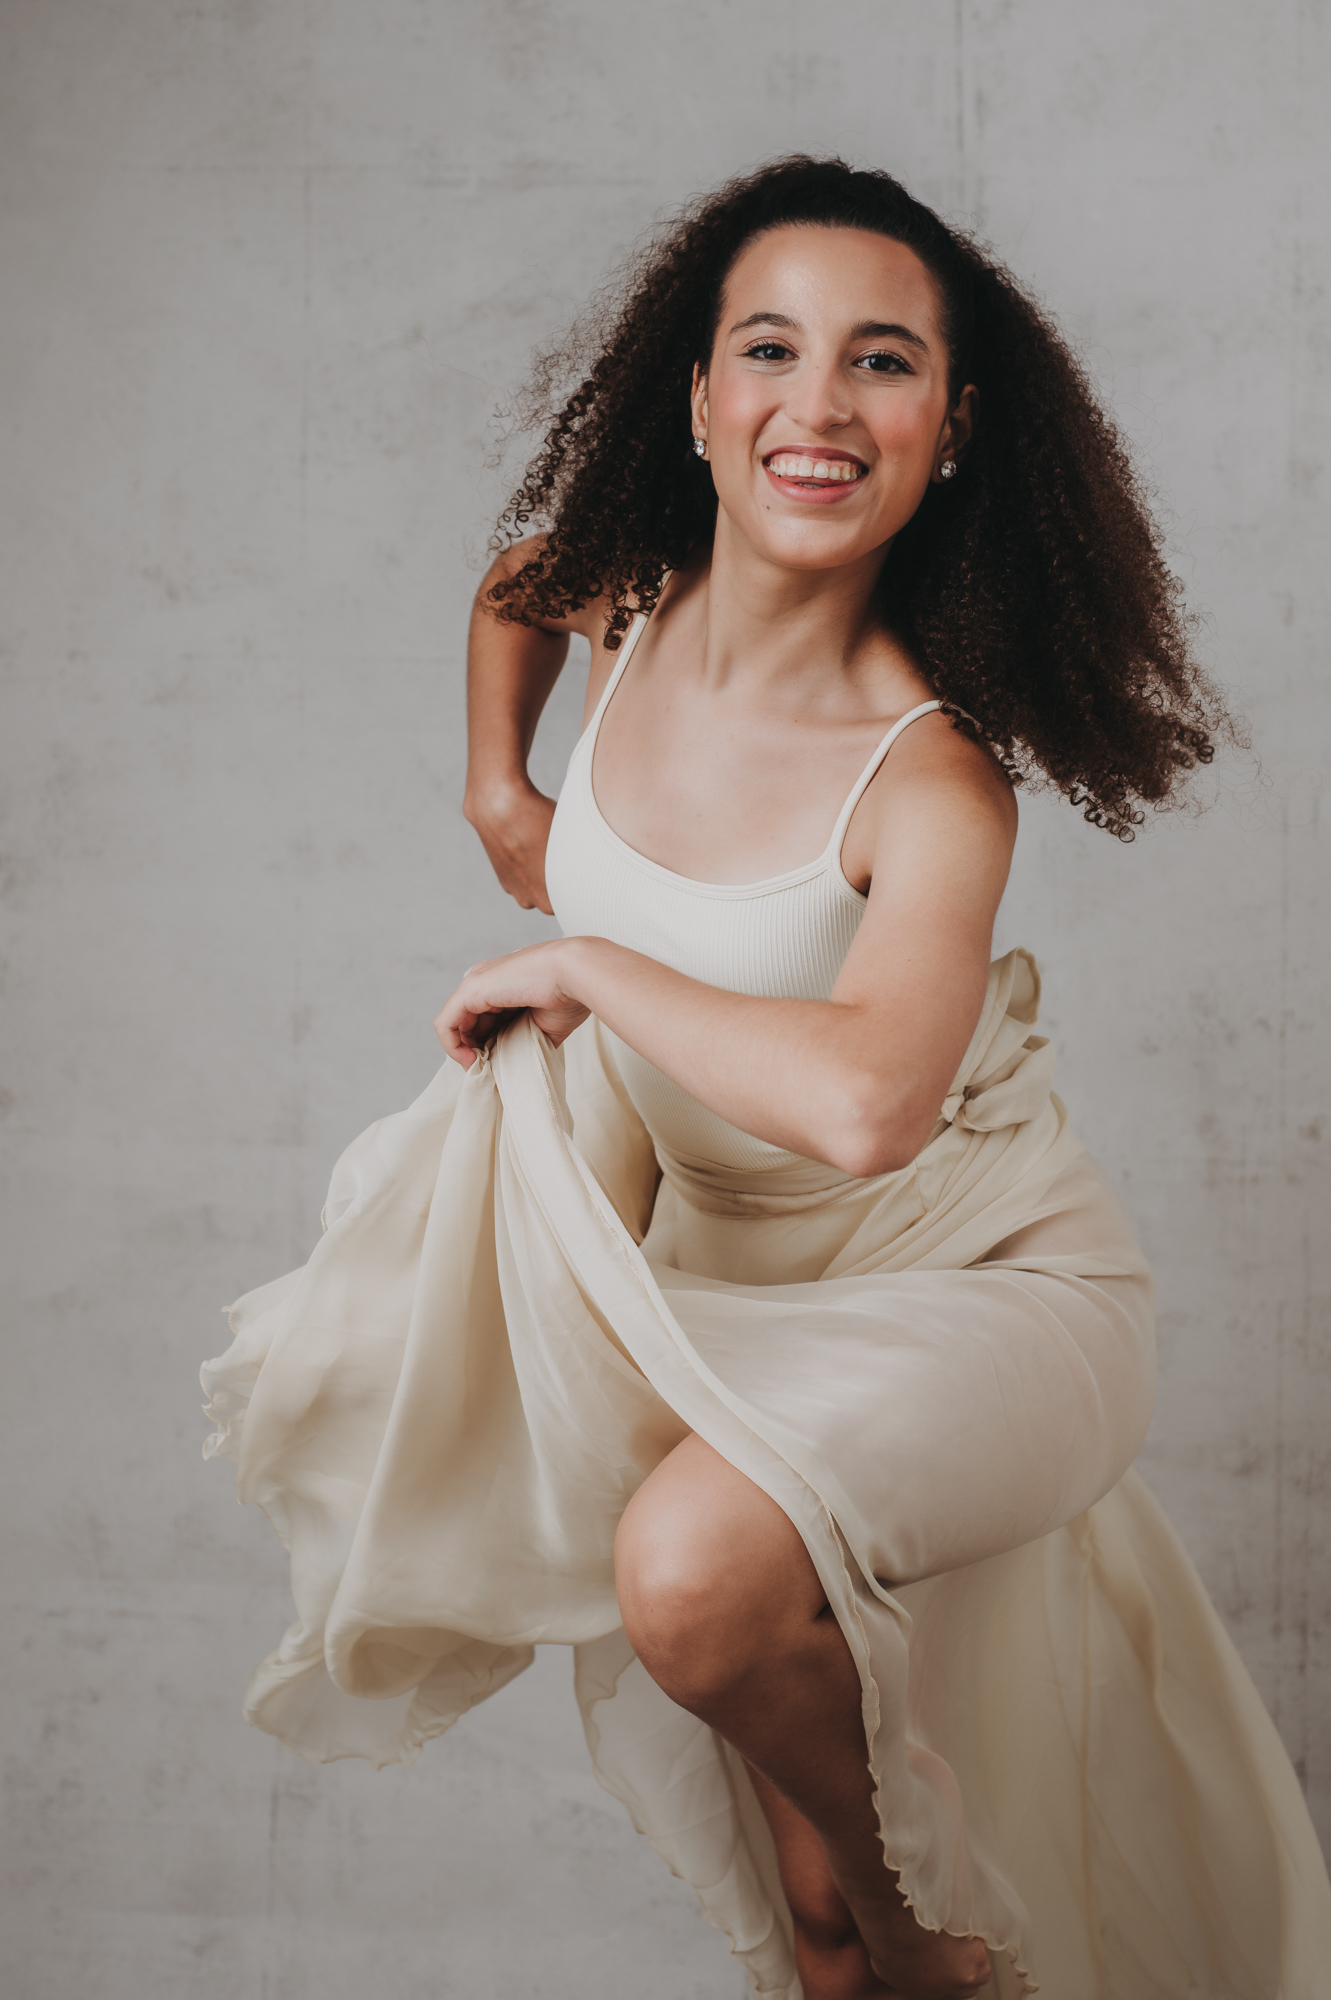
(784, 938)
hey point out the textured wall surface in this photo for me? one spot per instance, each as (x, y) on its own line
(268, 267)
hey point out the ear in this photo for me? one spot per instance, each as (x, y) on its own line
(957, 432)
(698, 402)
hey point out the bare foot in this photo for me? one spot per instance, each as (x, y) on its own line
(860, 1942)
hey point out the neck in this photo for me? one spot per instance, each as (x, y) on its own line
(766, 622)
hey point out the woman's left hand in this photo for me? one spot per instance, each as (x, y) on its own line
(496, 991)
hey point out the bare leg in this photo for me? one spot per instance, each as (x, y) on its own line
(725, 1611)
(830, 1955)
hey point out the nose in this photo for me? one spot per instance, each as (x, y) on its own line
(818, 400)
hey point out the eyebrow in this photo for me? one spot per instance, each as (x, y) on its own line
(868, 329)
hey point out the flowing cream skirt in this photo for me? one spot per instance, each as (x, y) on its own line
(941, 1376)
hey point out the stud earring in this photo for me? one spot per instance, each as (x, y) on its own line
(947, 470)
(700, 447)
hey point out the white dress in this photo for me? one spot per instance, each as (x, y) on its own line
(544, 1274)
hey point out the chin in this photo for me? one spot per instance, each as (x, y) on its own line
(814, 551)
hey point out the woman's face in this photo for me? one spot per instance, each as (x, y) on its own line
(825, 402)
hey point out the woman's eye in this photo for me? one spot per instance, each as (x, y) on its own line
(767, 350)
(879, 363)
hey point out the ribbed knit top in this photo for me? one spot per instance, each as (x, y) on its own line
(784, 938)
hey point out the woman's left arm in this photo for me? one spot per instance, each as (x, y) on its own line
(856, 1081)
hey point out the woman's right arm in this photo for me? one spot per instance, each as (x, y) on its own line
(511, 670)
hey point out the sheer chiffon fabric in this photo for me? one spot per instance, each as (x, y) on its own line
(521, 1304)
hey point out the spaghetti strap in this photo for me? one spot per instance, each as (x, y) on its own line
(635, 632)
(862, 783)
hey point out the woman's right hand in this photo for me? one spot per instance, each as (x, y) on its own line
(513, 822)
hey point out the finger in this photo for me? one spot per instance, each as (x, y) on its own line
(464, 1047)
(456, 1025)
(475, 1031)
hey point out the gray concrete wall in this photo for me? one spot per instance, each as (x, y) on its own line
(267, 267)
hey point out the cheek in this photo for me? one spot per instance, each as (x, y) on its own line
(737, 411)
(904, 427)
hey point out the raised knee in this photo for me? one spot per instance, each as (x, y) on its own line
(713, 1578)
(679, 1616)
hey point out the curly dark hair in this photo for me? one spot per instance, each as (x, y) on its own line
(1031, 590)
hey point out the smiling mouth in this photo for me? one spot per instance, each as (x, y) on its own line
(808, 469)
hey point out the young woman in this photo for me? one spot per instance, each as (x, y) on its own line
(739, 1307)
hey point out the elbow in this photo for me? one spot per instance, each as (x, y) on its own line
(875, 1135)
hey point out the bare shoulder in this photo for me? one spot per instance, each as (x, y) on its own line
(938, 791)
(939, 756)
(588, 619)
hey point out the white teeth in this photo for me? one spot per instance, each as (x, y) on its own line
(787, 466)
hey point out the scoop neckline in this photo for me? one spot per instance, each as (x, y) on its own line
(765, 886)
(829, 861)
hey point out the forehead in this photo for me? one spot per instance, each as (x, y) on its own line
(804, 269)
